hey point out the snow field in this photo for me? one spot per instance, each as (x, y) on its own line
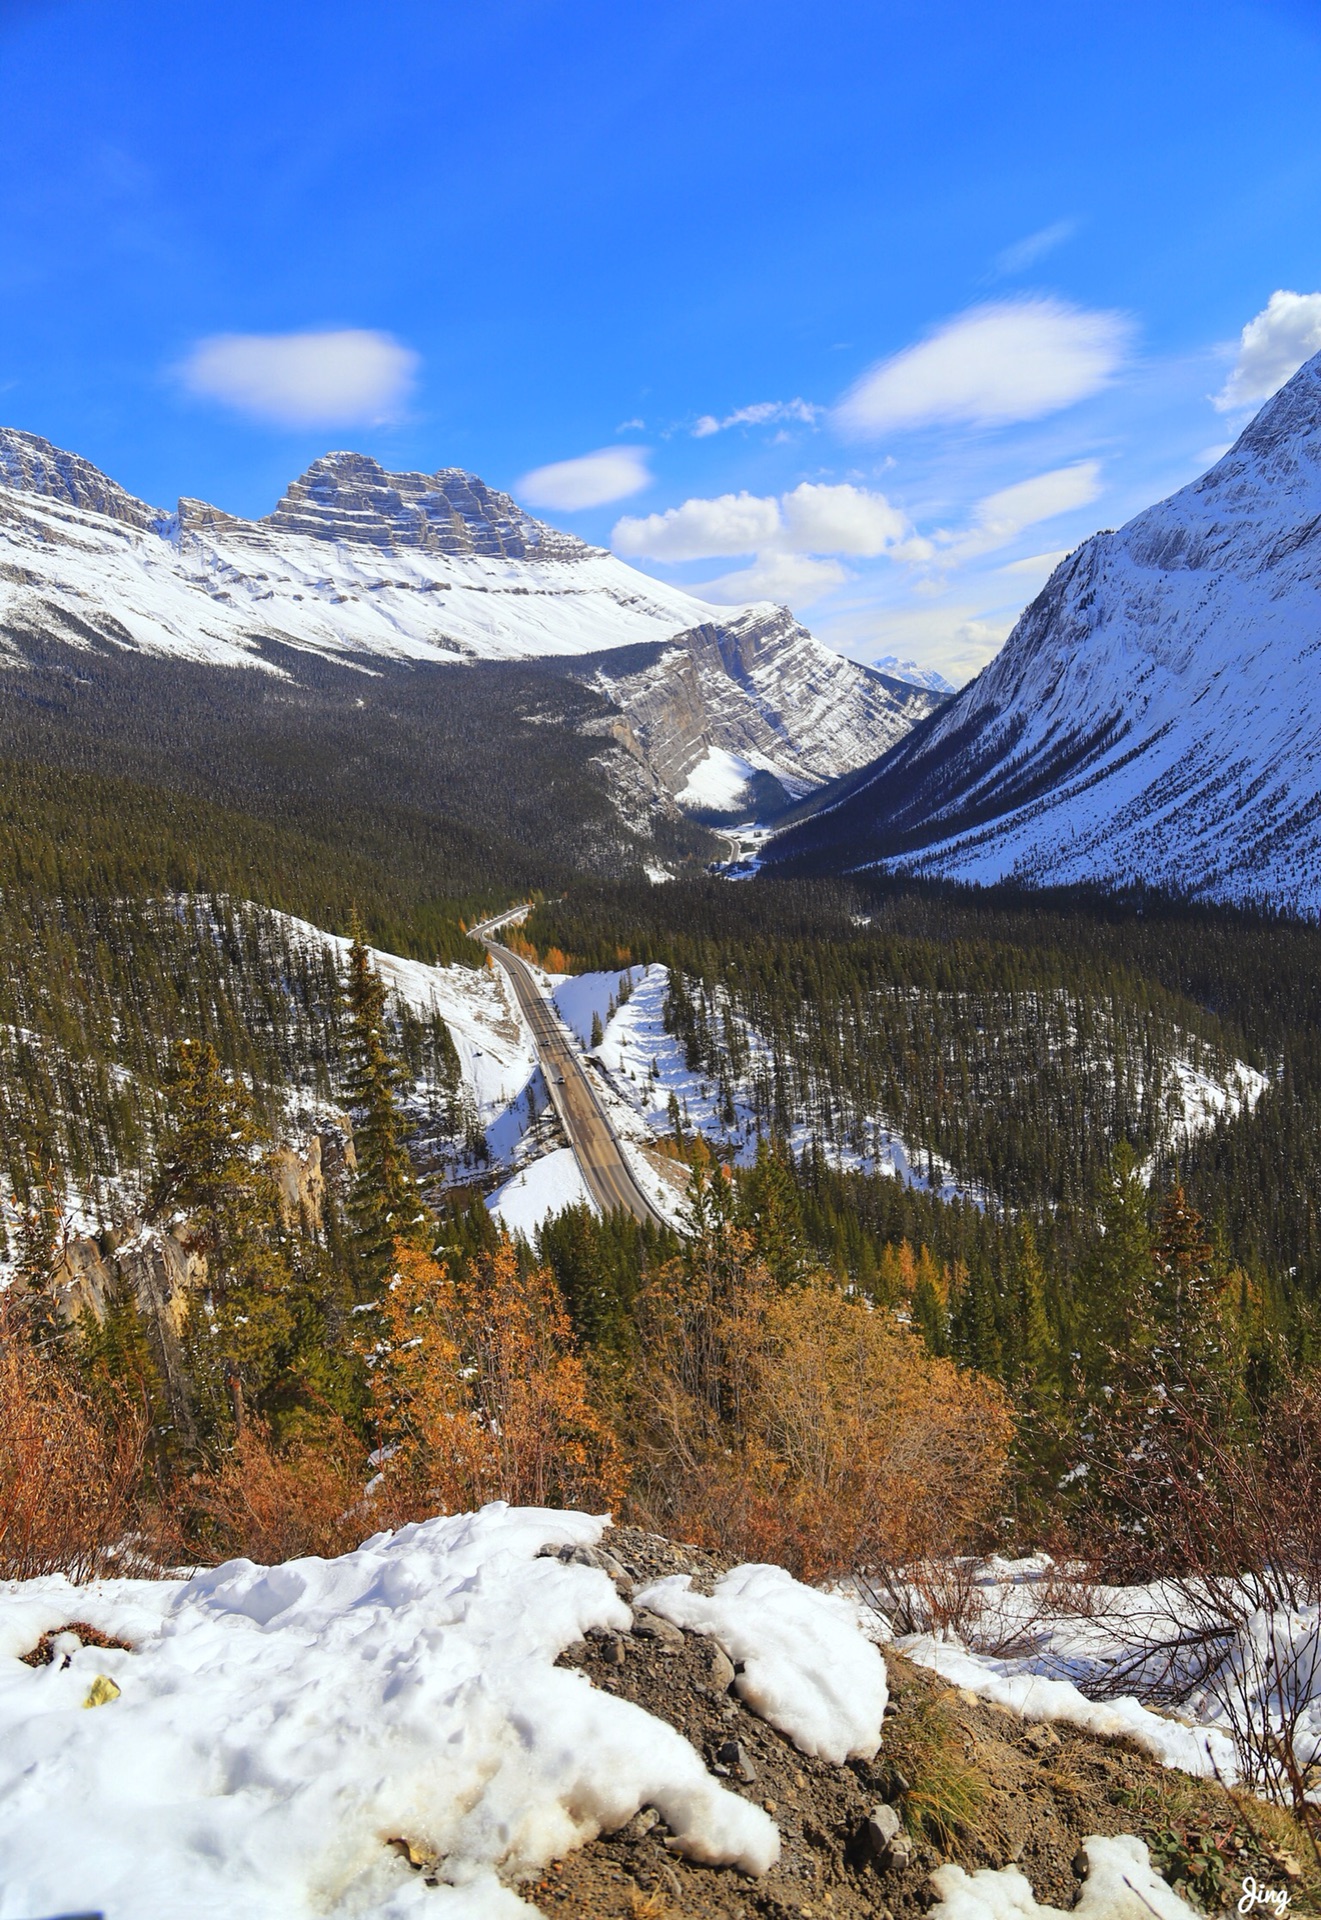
(208, 594)
(276, 1727)
(541, 1189)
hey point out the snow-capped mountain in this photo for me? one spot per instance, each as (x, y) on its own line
(915, 675)
(375, 569)
(1155, 714)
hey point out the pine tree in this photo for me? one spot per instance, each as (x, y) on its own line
(1117, 1312)
(1186, 1292)
(598, 1033)
(216, 1175)
(771, 1209)
(42, 1229)
(384, 1204)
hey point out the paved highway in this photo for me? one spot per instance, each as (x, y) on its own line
(607, 1174)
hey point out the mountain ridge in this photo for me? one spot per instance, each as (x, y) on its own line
(380, 571)
(1150, 718)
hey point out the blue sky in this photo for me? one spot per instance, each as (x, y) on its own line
(872, 308)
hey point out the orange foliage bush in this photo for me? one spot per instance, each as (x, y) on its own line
(272, 1503)
(800, 1425)
(70, 1469)
(477, 1393)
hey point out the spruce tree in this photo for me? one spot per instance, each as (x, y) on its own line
(1186, 1291)
(216, 1175)
(384, 1204)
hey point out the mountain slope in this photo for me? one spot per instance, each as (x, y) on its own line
(369, 570)
(1154, 715)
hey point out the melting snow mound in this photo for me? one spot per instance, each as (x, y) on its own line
(276, 1727)
(1121, 1885)
(806, 1667)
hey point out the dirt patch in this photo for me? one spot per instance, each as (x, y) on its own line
(43, 1654)
(969, 1782)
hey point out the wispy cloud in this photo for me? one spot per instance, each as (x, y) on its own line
(1025, 253)
(1003, 515)
(590, 480)
(763, 413)
(1036, 566)
(348, 377)
(1272, 347)
(1010, 360)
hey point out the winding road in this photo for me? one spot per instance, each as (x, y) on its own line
(606, 1172)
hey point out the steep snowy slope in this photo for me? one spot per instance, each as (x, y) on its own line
(1155, 715)
(360, 566)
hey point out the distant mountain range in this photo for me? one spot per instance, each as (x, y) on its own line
(1155, 715)
(396, 574)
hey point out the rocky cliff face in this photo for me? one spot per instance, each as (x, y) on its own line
(29, 464)
(1154, 716)
(346, 496)
(760, 688)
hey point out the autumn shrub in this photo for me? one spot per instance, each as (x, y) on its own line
(477, 1392)
(70, 1465)
(800, 1425)
(269, 1502)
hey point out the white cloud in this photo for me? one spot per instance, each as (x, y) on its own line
(761, 414)
(1008, 360)
(592, 480)
(846, 519)
(790, 579)
(347, 378)
(812, 519)
(1037, 566)
(1025, 253)
(1272, 347)
(699, 529)
(1001, 516)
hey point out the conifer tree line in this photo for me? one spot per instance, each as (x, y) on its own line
(94, 993)
(1023, 1037)
(157, 1028)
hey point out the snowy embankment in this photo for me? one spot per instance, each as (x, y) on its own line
(1058, 1664)
(643, 1065)
(273, 1730)
(297, 1740)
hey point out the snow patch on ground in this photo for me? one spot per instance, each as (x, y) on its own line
(1207, 1752)
(719, 781)
(539, 1190)
(805, 1667)
(276, 1727)
(1060, 1662)
(1121, 1884)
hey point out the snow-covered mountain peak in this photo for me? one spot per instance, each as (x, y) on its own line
(378, 570)
(29, 464)
(351, 497)
(1256, 504)
(1154, 715)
